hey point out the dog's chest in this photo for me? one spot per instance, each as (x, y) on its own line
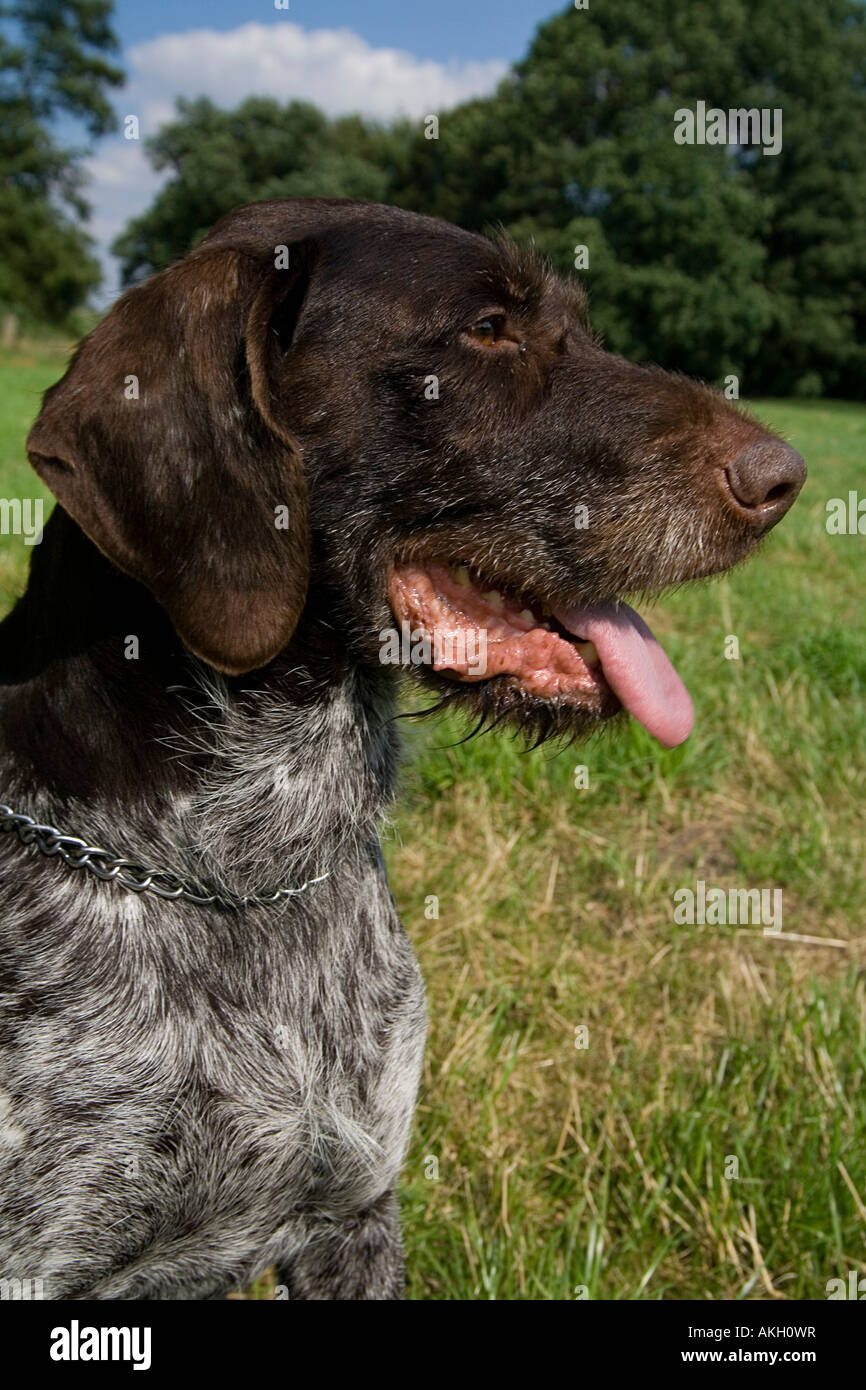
(230, 1077)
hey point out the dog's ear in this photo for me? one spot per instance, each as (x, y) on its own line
(162, 444)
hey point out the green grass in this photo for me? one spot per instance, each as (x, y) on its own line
(605, 1168)
(24, 375)
(538, 1168)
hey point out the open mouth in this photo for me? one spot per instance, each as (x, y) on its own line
(596, 659)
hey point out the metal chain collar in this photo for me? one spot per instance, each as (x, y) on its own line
(138, 878)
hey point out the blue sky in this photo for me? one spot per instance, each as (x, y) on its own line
(440, 29)
(380, 57)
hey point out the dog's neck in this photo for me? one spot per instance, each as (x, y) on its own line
(292, 788)
(264, 781)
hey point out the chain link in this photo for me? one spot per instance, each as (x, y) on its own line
(138, 878)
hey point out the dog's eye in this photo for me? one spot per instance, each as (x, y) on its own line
(489, 330)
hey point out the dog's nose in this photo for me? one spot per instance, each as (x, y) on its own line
(764, 481)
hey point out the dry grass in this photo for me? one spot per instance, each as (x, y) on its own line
(538, 933)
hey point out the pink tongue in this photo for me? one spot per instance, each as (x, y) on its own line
(635, 668)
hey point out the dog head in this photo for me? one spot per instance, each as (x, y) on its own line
(414, 432)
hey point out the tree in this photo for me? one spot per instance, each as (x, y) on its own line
(220, 159)
(714, 259)
(704, 257)
(52, 63)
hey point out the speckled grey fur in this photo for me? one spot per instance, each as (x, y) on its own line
(190, 1096)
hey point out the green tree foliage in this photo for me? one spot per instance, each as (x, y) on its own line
(706, 258)
(220, 159)
(52, 63)
(710, 259)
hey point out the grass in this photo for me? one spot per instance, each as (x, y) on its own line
(709, 1141)
(24, 375)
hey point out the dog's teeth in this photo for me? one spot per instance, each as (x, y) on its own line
(546, 610)
(527, 616)
(460, 575)
(588, 652)
(493, 597)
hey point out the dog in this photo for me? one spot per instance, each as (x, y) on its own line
(330, 423)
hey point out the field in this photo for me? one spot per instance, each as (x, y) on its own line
(615, 1105)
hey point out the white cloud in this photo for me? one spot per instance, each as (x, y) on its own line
(334, 68)
(119, 173)
(121, 184)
